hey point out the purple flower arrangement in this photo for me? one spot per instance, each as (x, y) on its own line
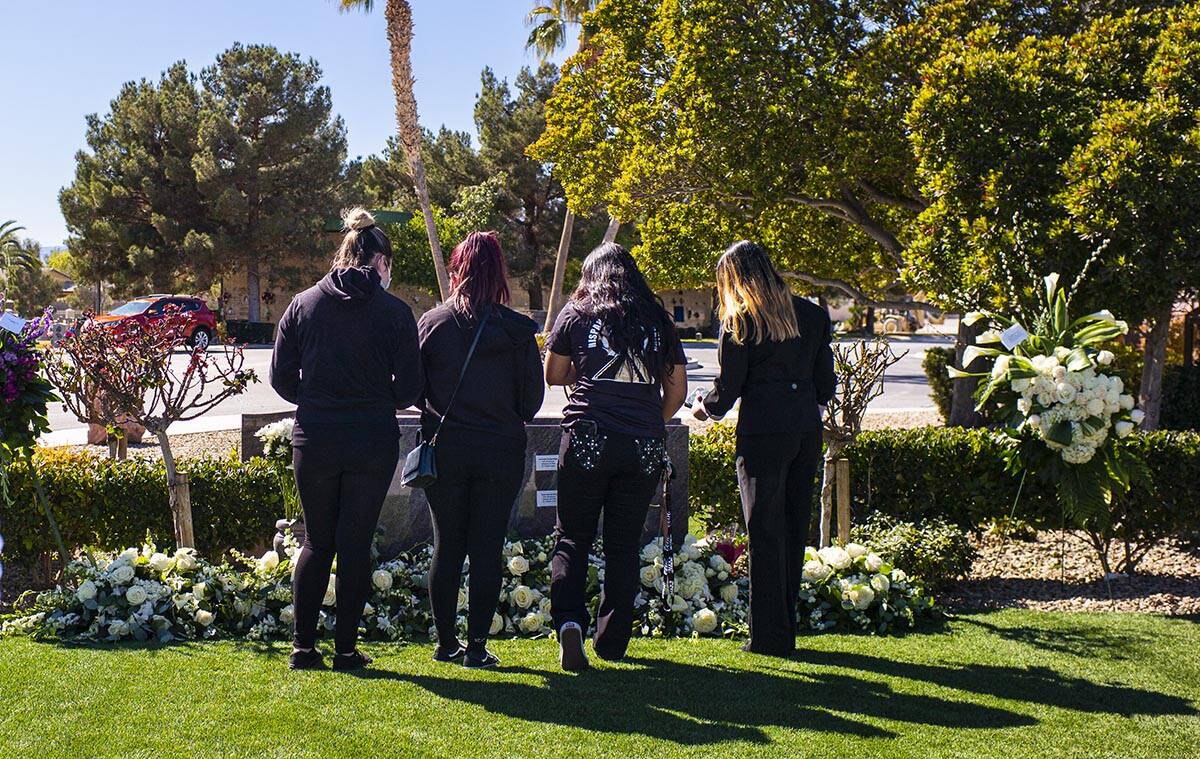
(20, 357)
(24, 392)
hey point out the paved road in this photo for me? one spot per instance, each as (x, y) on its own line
(904, 386)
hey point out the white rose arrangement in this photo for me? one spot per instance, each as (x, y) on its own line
(853, 588)
(153, 595)
(1063, 407)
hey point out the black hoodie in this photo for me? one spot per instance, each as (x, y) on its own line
(346, 354)
(503, 386)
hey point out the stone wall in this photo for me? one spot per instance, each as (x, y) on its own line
(405, 522)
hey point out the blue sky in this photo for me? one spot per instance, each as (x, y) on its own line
(63, 60)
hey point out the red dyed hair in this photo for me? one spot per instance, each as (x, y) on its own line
(478, 276)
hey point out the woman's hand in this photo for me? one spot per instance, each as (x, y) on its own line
(698, 407)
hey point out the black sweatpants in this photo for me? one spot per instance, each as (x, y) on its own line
(776, 475)
(342, 482)
(615, 475)
(470, 504)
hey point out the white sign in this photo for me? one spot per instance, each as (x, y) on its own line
(547, 499)
(12, 323)
(1013, 336)
(547, 463)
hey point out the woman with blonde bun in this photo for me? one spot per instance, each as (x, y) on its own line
(346, 354)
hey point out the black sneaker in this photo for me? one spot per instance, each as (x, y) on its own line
(310, 659)
(354, 660)
(606, 657)
(484, 659)
(454, 655)
(570, 648)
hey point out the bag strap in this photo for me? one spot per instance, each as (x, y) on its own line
(462, 373)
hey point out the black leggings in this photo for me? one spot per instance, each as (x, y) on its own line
(776, 474)
(470, 504)
(342, 485)
(614, 475)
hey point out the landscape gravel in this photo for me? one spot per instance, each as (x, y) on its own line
(1059, 571)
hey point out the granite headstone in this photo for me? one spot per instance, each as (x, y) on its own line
(404, 521)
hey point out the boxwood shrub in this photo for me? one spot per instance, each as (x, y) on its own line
(957, 475)
(111, 505)
(941, 388)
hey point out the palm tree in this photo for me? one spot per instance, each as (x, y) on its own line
(549, 26)
(14, 254)
(398, 16)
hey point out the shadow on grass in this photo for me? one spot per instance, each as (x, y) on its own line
(1032, 685)
(698, 705)
(1086, 642)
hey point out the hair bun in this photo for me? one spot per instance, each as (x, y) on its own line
(357, 218)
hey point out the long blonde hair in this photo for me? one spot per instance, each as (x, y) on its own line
(751, 292)
(362, 240)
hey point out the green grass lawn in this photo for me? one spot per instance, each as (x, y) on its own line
(1012, 684)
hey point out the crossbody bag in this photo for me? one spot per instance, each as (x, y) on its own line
(420, 467)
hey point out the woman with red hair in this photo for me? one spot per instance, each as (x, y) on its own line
(477, 419)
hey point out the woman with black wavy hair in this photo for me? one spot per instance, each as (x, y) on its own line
(616, 344)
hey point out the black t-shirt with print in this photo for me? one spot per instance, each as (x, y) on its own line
(613, 390)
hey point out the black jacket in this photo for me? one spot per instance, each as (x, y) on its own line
(346, 353)
(780, 383)
(503, 387)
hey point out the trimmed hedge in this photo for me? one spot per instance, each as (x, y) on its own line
(958, 475)
(112, 505)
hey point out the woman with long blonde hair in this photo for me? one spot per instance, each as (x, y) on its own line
(775, 357)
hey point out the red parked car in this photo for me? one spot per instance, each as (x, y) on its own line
(200, 322)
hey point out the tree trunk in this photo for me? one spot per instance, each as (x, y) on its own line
(962, 399)
(534, 290)
(1154, 357)
(560, 270)
(179, 494)
(833, 451)
(869, 321)
(253, 291)
(399, 31)
(614, 226)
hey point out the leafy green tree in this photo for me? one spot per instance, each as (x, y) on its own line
(33, 291)
(785, 121)
(715, 119)
(270, 155)
(1141, 158)
(411, 263)
(1057, 153)
(527, 200)
(133, 207)
(451, 163)
(27, 283)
